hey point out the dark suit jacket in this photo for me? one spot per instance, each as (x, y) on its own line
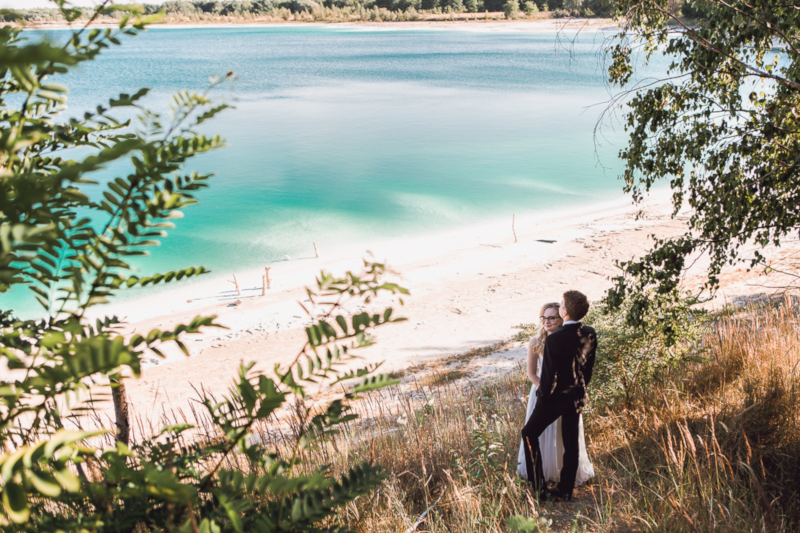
(567, 364)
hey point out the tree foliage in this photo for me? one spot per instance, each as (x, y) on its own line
(247, 9)
(721, 129)
(59, 471)
(511, 9)
(631, 359)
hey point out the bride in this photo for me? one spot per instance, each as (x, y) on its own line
(550, 442)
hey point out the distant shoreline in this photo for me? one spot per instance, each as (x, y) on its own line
(471, 24)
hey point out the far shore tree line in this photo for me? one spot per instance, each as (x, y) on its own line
(357, 9)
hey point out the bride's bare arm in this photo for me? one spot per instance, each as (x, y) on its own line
(533, 363)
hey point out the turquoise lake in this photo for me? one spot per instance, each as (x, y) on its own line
(340, 135)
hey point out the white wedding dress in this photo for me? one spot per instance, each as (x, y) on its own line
(552, 447)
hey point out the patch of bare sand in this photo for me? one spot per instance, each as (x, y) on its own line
(464, 304)
(465, 299)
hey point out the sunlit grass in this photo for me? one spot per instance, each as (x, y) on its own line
(711, 446)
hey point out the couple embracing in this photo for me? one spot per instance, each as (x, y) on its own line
(560, 361)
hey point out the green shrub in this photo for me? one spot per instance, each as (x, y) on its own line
(695, 8)
(411, 14)
(511, 9)
(630, 358)
(71, 249)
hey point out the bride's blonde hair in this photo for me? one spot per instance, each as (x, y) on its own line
(538, 345)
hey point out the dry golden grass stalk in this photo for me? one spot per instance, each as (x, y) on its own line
(711, 446)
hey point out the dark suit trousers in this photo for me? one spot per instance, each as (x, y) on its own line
(544, 414)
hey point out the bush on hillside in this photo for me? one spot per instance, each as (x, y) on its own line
(631, 359)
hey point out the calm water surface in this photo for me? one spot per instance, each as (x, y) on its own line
(343, 135)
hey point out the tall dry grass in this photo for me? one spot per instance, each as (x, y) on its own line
(711, 446)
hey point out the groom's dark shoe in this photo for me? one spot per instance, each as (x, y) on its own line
(555, 495)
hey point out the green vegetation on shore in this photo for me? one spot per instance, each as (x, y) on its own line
(184, 11)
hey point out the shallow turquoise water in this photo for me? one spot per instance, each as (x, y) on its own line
(343, 135)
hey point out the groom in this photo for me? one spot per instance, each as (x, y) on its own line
(566, 370)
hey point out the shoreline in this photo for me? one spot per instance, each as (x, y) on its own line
(524, 25)
(294, 273)
(468, 289)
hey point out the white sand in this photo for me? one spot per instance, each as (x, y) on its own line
(469, 288)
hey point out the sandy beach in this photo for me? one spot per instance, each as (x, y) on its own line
(468, 290)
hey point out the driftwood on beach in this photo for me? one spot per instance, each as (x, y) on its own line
(236, 283)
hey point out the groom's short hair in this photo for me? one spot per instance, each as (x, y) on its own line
(577, 304)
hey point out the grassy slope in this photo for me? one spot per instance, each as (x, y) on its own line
(707, 446)
(710, 446)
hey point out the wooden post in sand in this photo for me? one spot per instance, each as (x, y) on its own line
(269, 281)
(316, 249)
(235, 282)
(121, 411)
(512, 227)
(263, 285)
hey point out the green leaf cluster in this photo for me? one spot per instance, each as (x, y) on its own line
(60, 469)
(523, 524)
(722, 130)
(631, 359)
(511, 9)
